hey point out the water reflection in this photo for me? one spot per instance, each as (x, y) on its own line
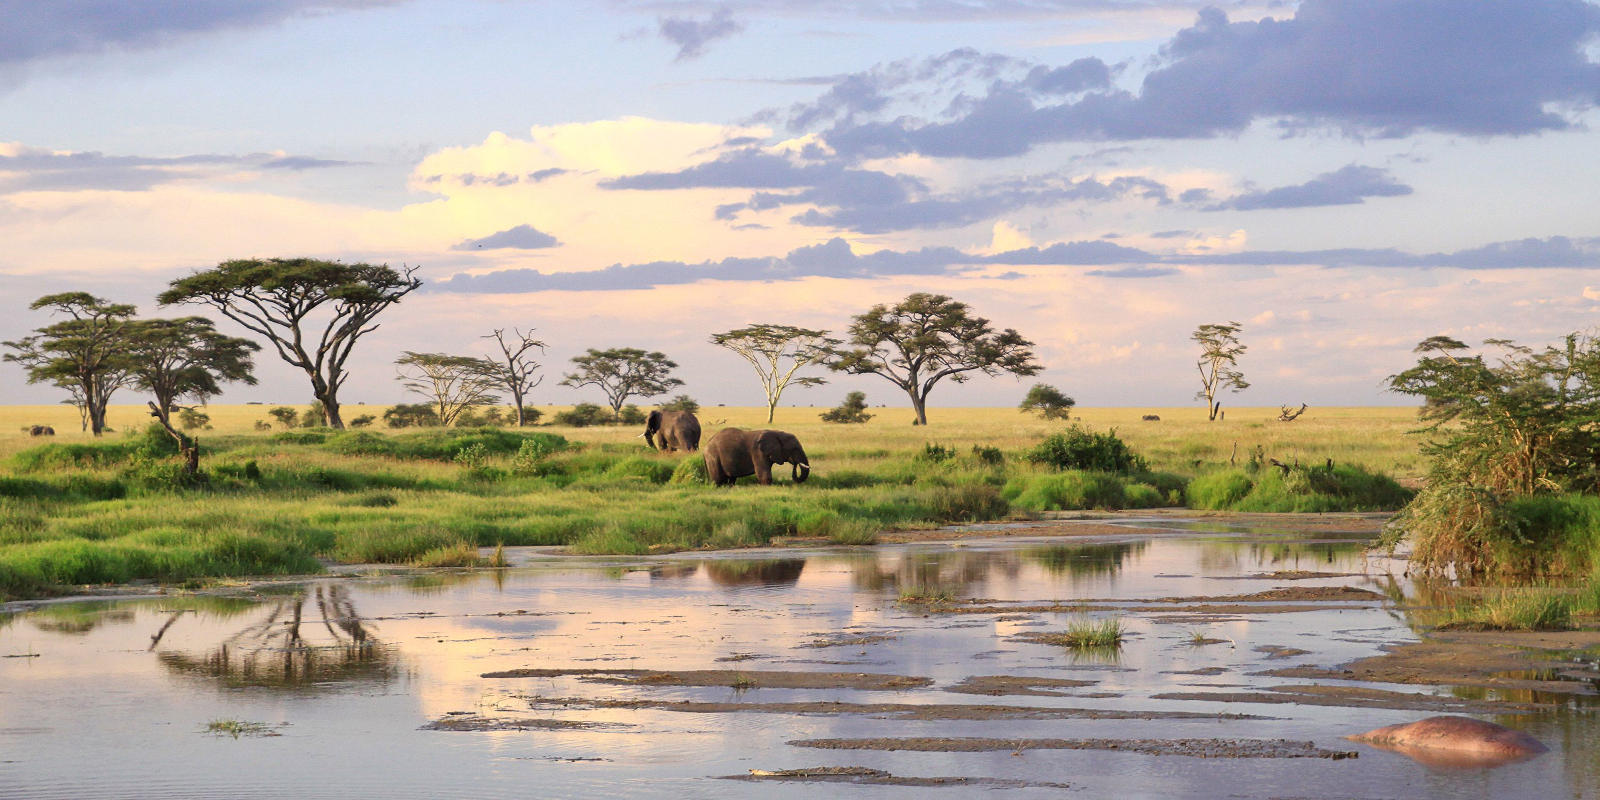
(78, 619)
(770, 572)
(1084, 560)
(309, 638)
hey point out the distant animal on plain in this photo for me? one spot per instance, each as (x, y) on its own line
(1151, 418)
(41, 430)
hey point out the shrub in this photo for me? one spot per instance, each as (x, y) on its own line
(682, 402)
(852, 410)
(314, 416)
(190, 419)
(936, 453)
(1219, 490)
(1066, 491)
(407, 415)
(988, 455)
(362, 421)
(286, 416)
(1079, 448)
(532, 451)
(691, 470)
(583, 415)
(630, 415)
(263, 425)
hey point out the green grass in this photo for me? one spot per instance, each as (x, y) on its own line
(1087, 634)
(1516, 610)
(78, 511)
(237, 728)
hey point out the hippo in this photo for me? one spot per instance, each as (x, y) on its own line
(1452, 741)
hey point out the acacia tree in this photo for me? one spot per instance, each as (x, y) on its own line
(623, 372)
(87, 353)
(515, 366)
(926, 338)
(452, 384)
(187, 357)
(1218, 364)
(1048, 402)
(287, 299)
(767, 346)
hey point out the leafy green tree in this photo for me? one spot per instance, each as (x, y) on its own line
(1498, 433)
(89, 353)
(452, 383)
(1047, 401)
(187, 358)
(514, 368)
(926, 338)
(852, 410)
(777, 352)
(623, 372)
(1218, 364)
(681, 402)
(286, 416)
(312, 311)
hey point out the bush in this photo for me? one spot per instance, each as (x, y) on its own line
(630, 415)
(363, 421)
(408, 415)
(1066, 491)
(852, 410)
(1299, 489)
(583, 415)
(936, 453)
(314, 416)
(691, 470)
(532, 452)
(682, 402)
(286, 416)
(1079, 448)
(191, 420)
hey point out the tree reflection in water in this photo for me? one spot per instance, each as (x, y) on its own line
(749, 572)
(303, 640)
(1084, 560)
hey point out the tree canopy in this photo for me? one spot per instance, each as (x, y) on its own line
(87, 354)
(187, 357)
(1047, 401)
(452, 384)
(1218, 363)
(312, 311)
(926, 338)
(767, 347)
(623, 372)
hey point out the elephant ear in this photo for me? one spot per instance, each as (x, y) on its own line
(654, 422)
(771, 446)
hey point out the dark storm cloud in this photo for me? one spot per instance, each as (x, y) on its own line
(38, 169)
(1363, 67)
(35, 29)
(692, 35)
(522, 237)
(1346, 186)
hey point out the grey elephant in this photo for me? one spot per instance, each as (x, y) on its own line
(678, 430)
(734, 453)
(41, 430)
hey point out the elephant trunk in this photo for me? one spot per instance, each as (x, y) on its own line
(801, 471)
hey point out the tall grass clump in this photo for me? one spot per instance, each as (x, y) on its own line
(1071, 490)
(1515, 610)
(1297, 489)
(1087, 634)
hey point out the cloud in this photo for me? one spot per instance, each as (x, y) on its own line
(24, 168)
(1346, 186)
(868, 201)
(692, 35)
(37, 29)
(522, 237)
(835, 259)
(1383, 68)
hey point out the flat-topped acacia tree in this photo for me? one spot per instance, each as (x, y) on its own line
(926, 338)
(288, 299)
(767, 347)
(88, 353)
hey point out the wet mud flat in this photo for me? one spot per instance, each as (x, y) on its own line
(1245, 659)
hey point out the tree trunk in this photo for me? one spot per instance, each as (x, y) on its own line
(516, 399)
(330, 413)
(188, 447)
(772, 409)
(919, 404)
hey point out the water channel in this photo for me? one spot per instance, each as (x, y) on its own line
(709, 675)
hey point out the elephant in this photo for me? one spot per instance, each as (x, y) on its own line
(679, 430)
(734, 453)
(41, 430)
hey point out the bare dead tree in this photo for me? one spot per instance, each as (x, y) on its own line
(1285, 415)
(515, 366)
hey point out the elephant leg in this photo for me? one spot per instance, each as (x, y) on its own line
(763, 472)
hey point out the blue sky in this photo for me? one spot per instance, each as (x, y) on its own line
(1343, 177)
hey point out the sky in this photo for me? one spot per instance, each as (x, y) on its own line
(1343, 178)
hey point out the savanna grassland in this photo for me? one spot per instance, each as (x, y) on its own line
(77, 511)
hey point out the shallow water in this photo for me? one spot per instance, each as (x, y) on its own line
(113, 699)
